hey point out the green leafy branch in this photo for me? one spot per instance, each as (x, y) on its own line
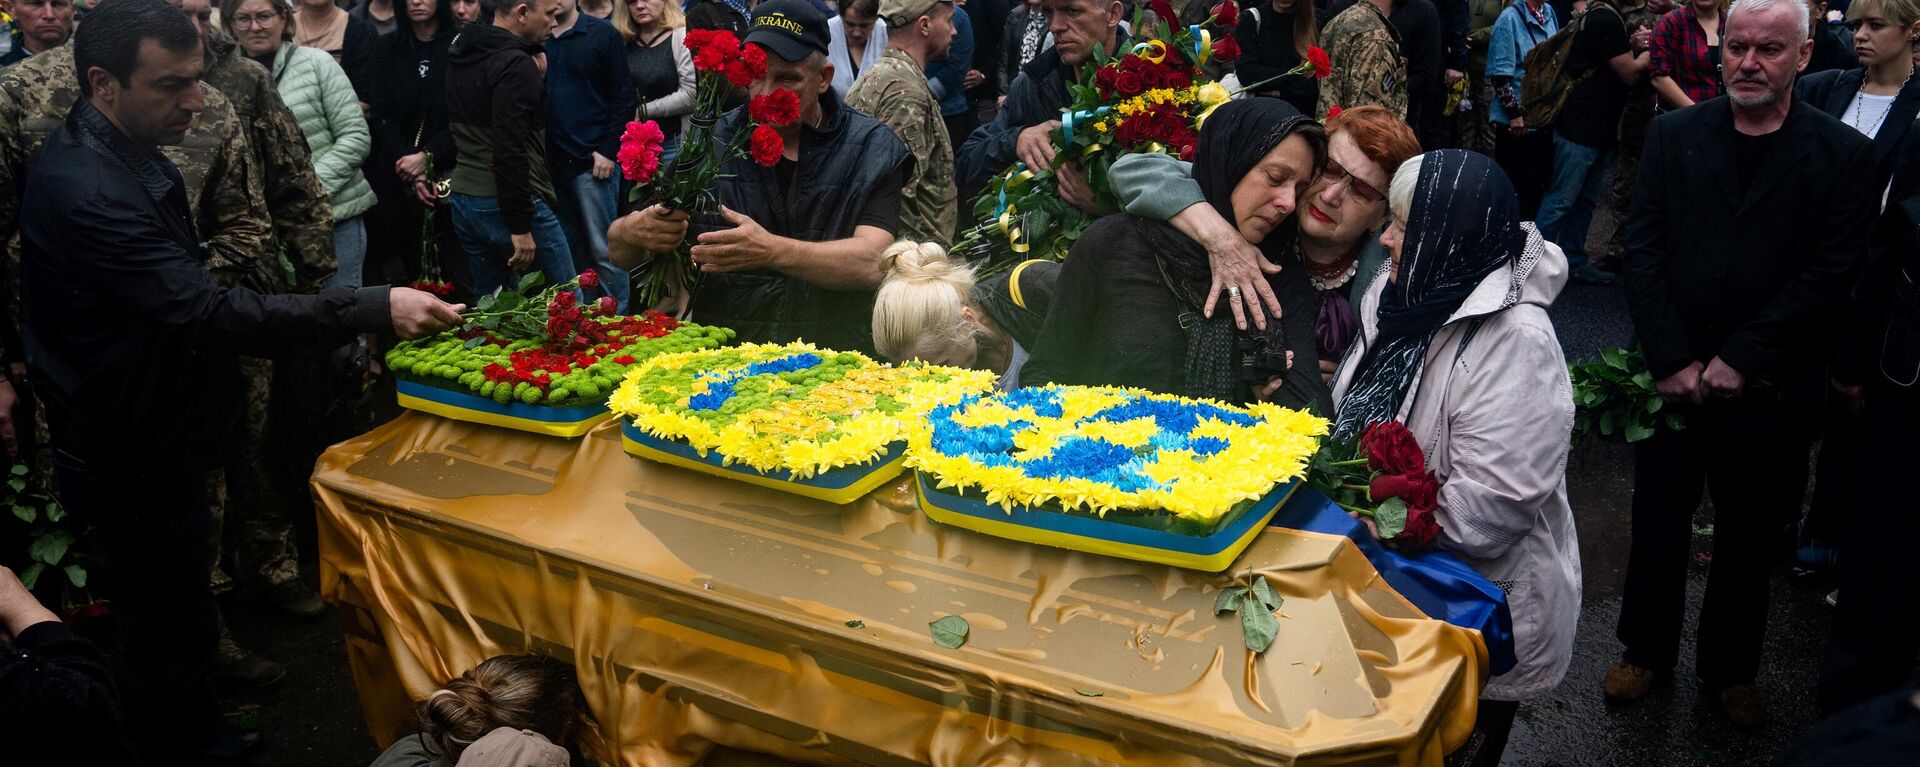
(1255, 603)
(49, 536)
(1615, 396)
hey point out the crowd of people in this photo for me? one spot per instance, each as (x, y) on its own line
(205, 203)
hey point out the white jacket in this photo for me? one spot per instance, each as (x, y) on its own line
(1495, 419)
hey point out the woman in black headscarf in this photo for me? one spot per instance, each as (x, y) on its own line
(1456, 344)
(1128, 309)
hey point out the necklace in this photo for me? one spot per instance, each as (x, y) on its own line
(1859, 99)
(1333, 275)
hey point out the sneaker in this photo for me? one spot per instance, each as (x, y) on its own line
(237, 670)
(1746, 705)
(1626, 682)
(294, 600)
(1593, 275)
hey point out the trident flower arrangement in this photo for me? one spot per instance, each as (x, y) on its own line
(1152, 99)
(721, 64)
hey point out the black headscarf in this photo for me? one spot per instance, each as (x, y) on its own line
(1464, 225)
(1221, 359)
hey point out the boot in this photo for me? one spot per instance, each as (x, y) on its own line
(237, 670)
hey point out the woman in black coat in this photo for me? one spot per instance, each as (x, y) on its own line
(1129, 306)
(409, 123)
(1880, 97)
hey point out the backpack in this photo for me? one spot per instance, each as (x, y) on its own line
(1546, 82)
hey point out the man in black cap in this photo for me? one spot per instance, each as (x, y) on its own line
(802, 257)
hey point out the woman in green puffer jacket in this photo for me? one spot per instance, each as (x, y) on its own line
(321, 98)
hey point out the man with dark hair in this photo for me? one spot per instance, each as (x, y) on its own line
(39, 26)
(1038, 95)
(502, 196)
(590, 98)
(1729, 287)
(802, 258)
(133, 351)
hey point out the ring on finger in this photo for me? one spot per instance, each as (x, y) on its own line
(1233, 292)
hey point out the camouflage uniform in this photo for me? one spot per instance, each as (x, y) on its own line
(1367, 65)
(1472, 129)
(263, 547)
(295, 200)
(1633, 135)
(895, 91)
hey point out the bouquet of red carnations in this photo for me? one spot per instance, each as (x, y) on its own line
(721, 64)
(1384, 479)
(1151, 99)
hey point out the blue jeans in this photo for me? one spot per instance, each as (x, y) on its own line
(1579, 173)
(586, 209)
(349, 252)
(484, 238)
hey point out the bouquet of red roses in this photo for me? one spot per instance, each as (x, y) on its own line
(1151, 99)
(1385, 479)
(721, 64)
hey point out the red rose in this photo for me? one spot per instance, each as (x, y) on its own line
(767, 146)
(1164, 11)
(1226, 15)
(1179, 80)
(1226, 50)
(779, 108)
(1419, 489)
(609, 305)
(1153, 77)
(557, 328)
(590, 279)
(1391, 449)
(1129, 84)
(1186, 153)
(1322, 63)
(1422, 528)
(1103, 79)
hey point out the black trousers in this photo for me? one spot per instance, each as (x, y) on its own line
(1754, 462)
(1876, 626)
(155, 527)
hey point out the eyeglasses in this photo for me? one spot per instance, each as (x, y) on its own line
(255, 21)
(1335, 174)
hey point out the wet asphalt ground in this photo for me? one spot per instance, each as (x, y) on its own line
(314, 718)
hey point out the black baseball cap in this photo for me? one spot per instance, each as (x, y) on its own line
(791, 29)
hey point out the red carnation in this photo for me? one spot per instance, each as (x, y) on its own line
(1226, 15)
(1332, 112)
(1226, 50)
(1322, 63)
(779, 108)
(755, 58)
(1129, 84)
(767, 146)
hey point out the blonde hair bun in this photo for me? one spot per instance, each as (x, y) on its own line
(917, 311)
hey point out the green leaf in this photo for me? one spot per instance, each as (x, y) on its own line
(1676, 422)
(1229, 599)
(950, 632)
(1090, 693)
(1615, 358)
(1643, 380)
(55, 512)
(1263, 591)
(530, 281)
(31, 575)
(856, 624)
(1391, 518)
(486, 302)
(1257, 625)
(1637, 431)
(491, 323)
(475, 342)
(1609, 422)
(19, 470)
(76, 575)
(50, 548)
(18, 485)
(1654, 404)
(25, 513)
(510, 301)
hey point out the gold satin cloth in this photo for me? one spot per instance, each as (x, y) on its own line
(702, 612)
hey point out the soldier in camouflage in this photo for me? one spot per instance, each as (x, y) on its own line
(895, 91)
(1633, 126)
(1368, 67)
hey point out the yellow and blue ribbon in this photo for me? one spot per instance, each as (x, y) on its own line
(1202, 44)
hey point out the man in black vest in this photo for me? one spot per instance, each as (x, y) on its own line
(802, 258)
(133, 351)
(1748, 224)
